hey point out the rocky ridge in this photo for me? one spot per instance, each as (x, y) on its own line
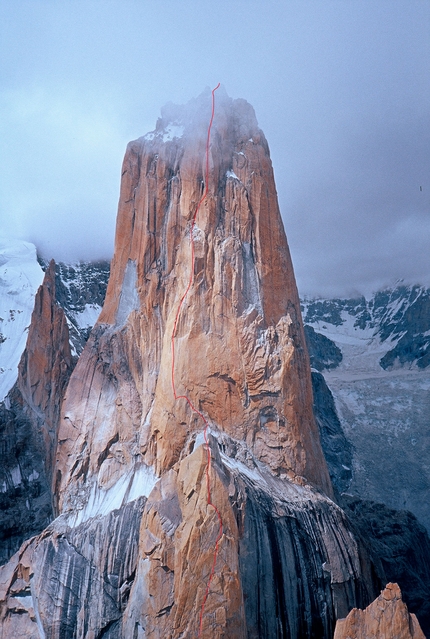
(387, 617)
(125, 445)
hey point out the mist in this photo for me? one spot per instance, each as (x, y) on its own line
(340, 90)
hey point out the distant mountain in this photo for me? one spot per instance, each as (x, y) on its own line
(80, 291)
(374, 354)
(391, 329)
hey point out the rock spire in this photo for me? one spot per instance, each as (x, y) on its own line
(386, 618)
(132, 550)
(240, 349)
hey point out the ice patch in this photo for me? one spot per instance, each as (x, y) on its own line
(129, 298)
(15, 474)
(232, 174)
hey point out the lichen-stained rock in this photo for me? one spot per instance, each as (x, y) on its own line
(240, 348)
(386, 618)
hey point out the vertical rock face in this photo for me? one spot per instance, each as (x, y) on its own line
(29, 420)
(240, 348)
(45, 366)
(386, 617)
(245, 542)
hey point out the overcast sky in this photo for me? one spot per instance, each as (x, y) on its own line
(341, 89)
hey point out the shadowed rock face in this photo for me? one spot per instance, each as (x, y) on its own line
(324, 354)
(337, 449)
(135, 537)
(74, 582)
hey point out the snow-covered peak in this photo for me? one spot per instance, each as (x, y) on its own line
(20, 277)
(390, 329)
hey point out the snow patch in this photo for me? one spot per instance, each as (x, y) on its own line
(143, 482)
(137, 482)
(89, 316)
(232, 174)
(234, 464)
(20, 277)
(171, 131)
(198, 234)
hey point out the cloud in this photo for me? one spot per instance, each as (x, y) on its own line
(61, 177)
(339, 88)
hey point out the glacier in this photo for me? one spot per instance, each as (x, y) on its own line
(20, 277)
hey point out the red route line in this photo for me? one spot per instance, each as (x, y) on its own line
(187, 399)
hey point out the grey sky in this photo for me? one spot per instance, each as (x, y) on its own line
(341, 89)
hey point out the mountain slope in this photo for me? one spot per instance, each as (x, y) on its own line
(381, 388)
